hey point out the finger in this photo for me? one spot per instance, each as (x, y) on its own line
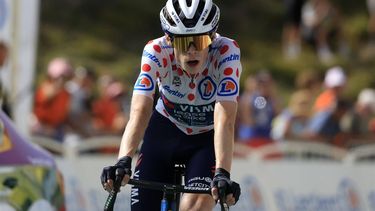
(230, 200)
(108, 175)
(109, 185)
(215, 193)
(125, 180)
(103, 178)
(105, 186)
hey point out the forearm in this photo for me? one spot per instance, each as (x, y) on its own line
(225, 113)
(224, 147)
(141, 110)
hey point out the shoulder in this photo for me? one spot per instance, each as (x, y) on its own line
(156, 52)
(157, 45)
(225, 44)
(225, 50)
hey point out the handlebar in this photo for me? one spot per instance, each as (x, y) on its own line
(169, 188)
(165, 187)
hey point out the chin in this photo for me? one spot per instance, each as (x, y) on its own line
(192, 69)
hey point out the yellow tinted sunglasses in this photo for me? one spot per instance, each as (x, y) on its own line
(200, 42)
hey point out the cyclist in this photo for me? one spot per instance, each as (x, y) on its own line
(197, 72)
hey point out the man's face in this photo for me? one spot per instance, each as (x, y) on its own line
(192, 60)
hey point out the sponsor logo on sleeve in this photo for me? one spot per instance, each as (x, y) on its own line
(144, 82)
(207, 88)
(151, 57)
(232, 57)
(228, 87)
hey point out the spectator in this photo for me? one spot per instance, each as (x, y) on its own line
(300, 106)
(258, 107)
(109, 116)
(103, 82)
(291, 123)
(243, 112)
(325, 125)
(334, 84)
(52, 101)
(291, 30)
(321, 22)
(371, 23)
(81, 89)
(359, 124)
(3, 53)
(310, 81)
(369, 50)
(4, 98)
(372, 125)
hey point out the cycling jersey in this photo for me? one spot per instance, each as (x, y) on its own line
(188, 100)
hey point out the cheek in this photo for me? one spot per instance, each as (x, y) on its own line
(179, 57)
(203, 54)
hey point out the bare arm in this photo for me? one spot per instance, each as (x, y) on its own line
(225, 114)
(140, 113)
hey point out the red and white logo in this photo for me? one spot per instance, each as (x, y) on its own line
(228, 87)
(144, 82)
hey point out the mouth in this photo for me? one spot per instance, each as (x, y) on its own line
(192, 63)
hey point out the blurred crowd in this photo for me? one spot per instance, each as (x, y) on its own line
(78, 100)
(320, 24)
(316, 111)
(75, 100)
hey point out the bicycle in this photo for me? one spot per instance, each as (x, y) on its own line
(171, 192)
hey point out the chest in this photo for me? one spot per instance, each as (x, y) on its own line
(178, 85)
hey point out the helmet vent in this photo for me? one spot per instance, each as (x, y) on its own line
(168, 17)
(176, 7)
(210, 16)
(191, 23)
(184, 17)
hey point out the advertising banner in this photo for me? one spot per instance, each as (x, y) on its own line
(266, 186)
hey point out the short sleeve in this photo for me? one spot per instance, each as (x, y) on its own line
(147, 78)
(230, 69)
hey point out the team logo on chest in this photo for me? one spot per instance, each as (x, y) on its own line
(176, 81)
(227, 87)
(144, 82)
(207, 88)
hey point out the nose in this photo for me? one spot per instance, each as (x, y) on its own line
(191, 49)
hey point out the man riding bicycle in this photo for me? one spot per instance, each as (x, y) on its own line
(197, 72)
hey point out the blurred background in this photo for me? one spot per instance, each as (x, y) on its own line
(307, 93)
(110, 36)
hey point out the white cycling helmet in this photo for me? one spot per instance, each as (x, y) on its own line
(189, 17)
